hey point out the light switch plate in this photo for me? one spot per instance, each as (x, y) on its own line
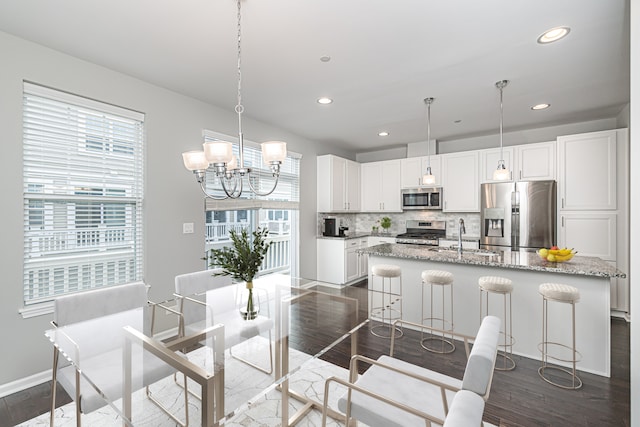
(187, 228)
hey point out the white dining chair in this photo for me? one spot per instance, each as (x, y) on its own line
(222, 307)
(103, 347)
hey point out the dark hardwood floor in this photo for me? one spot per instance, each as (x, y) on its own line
(519, 398)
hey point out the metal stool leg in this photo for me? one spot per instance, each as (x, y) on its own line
(446, 345)
(575, 381)
(387, 310)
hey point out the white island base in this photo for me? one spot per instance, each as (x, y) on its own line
(593, 338)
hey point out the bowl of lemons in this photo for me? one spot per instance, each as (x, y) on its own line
(555, 254)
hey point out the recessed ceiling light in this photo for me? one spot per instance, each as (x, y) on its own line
(553, 35)
(540, 106)
(383, 133)
(457, 121)
(325, 58)
(325, 100)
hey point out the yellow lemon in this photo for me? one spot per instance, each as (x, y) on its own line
(551, 258)
(543, 252)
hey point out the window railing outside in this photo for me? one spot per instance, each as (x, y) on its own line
(51, 243)
(277, 257)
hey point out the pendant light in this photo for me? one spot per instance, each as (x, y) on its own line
(229, 169)
(501, 173)
(428, 178)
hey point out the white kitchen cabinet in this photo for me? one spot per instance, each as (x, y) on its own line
(590, 233)
(587, 171)
(489, 162)
(380, 186)
(593, 174)
(339, 261)
(412, 169)
(527, 162)
(536, 162)
(460, 182)
(338, 184)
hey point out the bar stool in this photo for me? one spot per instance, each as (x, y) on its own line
(569, 295)
(504, 286)
(441, 279)
(386, 301)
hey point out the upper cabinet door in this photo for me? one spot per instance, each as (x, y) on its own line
(352, 187)
(460, 183)
(489, 162)
(536, 162)
(411, 172)
(333, 187)
(391, 198)
(412, 169)
(381, 186)
(587, 171)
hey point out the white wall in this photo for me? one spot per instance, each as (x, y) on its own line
(634, 234)
(549, 133)
(374, 156)
(173, 124)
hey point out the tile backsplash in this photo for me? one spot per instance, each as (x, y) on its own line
(362, 222)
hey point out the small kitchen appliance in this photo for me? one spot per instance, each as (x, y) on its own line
(329, 227)
(422, 198)
(421, 232)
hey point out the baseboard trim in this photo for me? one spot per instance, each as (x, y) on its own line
(24, 383)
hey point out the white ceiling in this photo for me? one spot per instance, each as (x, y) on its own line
(386, 57)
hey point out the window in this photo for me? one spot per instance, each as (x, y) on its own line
(277, 211)
(83, 196)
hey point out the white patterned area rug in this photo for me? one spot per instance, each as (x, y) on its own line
(263, 411)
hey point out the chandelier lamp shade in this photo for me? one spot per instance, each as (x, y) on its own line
(217, 156)
(428, 178)
(501, 173)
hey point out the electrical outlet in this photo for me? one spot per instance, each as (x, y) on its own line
(187, 228)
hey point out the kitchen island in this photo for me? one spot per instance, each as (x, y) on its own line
(592, 276)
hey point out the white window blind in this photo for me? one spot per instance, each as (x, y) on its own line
(286, 194)
(83, 193)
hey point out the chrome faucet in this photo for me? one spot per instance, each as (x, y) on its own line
(461, 231)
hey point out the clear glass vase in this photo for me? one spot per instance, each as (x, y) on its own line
(249, 306)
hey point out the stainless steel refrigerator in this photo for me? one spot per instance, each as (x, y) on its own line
(518, 215)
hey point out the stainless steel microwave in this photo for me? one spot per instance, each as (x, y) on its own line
(422, 198)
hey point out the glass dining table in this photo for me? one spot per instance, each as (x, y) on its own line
(231, 362)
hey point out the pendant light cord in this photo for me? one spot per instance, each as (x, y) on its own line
(239, 106)
(501, 85)
(429, 101)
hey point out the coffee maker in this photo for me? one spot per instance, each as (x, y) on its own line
(329, 227)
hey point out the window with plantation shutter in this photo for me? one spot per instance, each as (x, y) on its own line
(83, 193)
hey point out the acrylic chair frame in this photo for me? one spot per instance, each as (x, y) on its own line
(353, 376)
(77, 388)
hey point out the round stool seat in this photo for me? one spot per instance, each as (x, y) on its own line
(495, 284)
(437, 277)
(559, 292)
(386, 270)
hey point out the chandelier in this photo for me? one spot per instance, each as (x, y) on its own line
(501, 173)
(219, 154)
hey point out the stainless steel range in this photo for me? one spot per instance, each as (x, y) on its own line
(423, 232)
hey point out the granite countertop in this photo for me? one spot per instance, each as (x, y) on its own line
(464, 238)
(578, 265)
(350, 236)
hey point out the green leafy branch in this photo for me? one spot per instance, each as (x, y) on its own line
(243, 259)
